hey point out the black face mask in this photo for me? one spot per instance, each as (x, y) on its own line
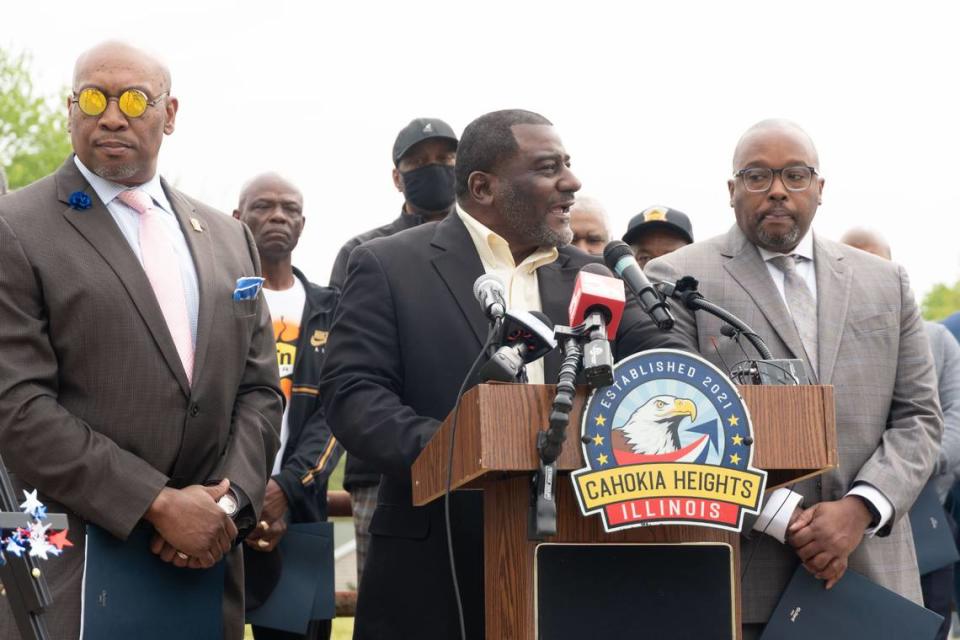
(430, 188)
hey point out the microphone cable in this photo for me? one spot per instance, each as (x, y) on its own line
(491, 336)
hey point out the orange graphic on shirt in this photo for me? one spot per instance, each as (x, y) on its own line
(286, 334)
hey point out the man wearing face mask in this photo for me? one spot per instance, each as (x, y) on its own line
(423, 157)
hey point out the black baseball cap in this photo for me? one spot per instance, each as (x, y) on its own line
(659, 217)
(418, 130)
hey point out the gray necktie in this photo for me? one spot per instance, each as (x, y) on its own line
(802, 306)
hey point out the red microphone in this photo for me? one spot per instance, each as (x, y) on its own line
(597, 291)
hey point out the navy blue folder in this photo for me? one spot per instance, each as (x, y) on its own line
(130, 593)
(305, 589)
(855, 608)
(932, 536)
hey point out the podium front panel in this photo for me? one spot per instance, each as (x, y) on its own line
(630, 591)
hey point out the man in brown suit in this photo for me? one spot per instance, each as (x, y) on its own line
(119, 411)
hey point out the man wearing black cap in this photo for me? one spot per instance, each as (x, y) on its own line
(657, 231)
(423, 157)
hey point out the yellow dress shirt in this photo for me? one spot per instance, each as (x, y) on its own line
(520, 280)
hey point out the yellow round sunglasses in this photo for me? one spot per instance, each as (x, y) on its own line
(133, 103)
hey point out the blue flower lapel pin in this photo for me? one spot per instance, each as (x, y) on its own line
(79, 200)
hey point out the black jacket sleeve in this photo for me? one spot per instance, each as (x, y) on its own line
(362, 379)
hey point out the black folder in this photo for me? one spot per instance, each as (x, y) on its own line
(305, 591)
(130, 593)
(932, 536)
(855, 608)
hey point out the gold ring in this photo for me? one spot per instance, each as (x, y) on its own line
(182, 555)
(265, 525)
(263, 544)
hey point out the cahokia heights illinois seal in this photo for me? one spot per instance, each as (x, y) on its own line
(669, 442)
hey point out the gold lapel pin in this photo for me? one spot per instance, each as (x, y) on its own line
(196, 225)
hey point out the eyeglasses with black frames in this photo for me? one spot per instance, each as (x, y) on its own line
(760, 179)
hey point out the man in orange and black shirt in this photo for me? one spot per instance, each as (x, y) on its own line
(302, 313)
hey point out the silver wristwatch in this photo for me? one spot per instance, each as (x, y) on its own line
(229, 505)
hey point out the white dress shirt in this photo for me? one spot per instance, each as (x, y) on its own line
(780, 504)
(128, 220)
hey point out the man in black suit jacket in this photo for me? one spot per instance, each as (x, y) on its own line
(406, 333)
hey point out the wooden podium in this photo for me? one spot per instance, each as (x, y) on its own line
(795, 438)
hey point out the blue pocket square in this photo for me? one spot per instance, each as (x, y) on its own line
(247, 288)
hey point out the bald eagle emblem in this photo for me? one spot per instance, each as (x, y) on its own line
(652, 432)
(669, 442)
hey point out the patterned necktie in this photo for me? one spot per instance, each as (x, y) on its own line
(161, 265)
(802, 306)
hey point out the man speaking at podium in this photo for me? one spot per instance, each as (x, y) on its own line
(853, 320)
(406, 334)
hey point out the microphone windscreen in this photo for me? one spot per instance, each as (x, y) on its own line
(614, 252)
(592, 291)
(487, 281)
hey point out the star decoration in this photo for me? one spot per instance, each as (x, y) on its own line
(601, 421)
(598, 440)
(737, 440)
(14, 548)
(36, 538)
(38, 531)
(59, 539)
(602, 459)
(734, 459)
(41, 548)
(733, 420)
(31, 504)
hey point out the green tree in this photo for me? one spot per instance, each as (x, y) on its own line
(941, 301)
(33, 128)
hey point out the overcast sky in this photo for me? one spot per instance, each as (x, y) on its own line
(649, 99)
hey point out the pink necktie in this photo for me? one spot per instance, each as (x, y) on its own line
(162, 267)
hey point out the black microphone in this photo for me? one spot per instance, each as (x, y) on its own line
(619, 257)
(526, 336)
(488, 290)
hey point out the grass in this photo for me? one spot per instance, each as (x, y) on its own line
(336, 477)
(342, 630)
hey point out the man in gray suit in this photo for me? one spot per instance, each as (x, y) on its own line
(852, 319)
(136, 390)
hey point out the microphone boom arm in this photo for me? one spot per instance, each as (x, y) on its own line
(685, 290)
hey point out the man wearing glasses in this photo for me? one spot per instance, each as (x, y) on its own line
(138, 384)
(853, 320)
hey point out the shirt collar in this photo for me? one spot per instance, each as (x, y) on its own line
(108, 190)
(495, 251)
(409, 220)
(804, 249)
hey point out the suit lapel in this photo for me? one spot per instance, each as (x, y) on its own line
(555, 282)
(833, 297)
(749, 270)
(201, 249)
(97, 226)
(459, 266)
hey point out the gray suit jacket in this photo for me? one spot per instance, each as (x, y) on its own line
(872, 349)
(946, 358)
(95, 408)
